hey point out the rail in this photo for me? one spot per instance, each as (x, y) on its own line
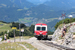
(60, 47)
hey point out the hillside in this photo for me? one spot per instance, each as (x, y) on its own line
(42, 11)
(23, 3)
(10, 14)
(7, 3)
(5, 27)
(37, 2)
(61, 4)
(11, 10)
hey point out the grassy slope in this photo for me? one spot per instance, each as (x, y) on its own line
(10, 46)
(5, 27)
(28, 30)
(16, 46)
(24, 37)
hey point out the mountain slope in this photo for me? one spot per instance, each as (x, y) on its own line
(7, 3)
(10, 11)
(37, 2)
(23, 3)
(42, 11)
(61, 4)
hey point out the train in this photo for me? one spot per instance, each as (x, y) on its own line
(40, 31)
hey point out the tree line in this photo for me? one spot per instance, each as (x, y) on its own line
(28, 31)
(66, 21)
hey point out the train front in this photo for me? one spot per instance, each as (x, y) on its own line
(40, 31)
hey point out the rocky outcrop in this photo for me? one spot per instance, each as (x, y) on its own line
(68, 38)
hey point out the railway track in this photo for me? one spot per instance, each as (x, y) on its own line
(59, 47)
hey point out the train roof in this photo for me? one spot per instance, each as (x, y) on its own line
(41, 24)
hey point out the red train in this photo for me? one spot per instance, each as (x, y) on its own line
(40, 31)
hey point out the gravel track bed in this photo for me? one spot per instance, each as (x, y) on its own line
(40, 46)
(59, 47)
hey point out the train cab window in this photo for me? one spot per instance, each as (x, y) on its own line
(43, 28)
(38, 28)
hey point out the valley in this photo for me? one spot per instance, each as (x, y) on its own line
(29, 13)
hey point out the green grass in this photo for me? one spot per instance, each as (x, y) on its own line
(24, 37)
(28, 46)
(19, 9)
(28, 30)
(16, 46)
(5, 27)
(73, 33)
(61, 25)
(10, 46)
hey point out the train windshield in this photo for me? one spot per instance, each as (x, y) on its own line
(38, 28)
(41, 28)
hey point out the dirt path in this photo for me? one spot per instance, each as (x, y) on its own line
(24, 46)
(40, 46)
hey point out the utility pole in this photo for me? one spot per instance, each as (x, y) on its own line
(14, 35)
(19, 32)
(14, 28)
(63, 16)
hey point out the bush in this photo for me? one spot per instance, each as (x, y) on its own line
(3, 38)
(32, 28)
(74, 33)
(50, 33)
(8, 36)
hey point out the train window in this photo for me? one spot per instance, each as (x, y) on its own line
(43, 28)
(38, 28)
